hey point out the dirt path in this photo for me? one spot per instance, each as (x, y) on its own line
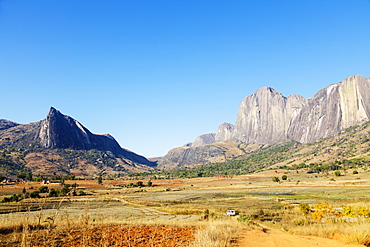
(275, 238)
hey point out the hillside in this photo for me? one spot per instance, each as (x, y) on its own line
(351, 148)
(61, 145)
(267, 117)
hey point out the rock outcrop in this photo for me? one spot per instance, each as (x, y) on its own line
(204, 140)
(268, 117)
(224, 132)
(200, 155)
(58, 132)
(61, 131)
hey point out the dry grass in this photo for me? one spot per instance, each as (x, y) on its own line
(61, 228)
(352, 233)
(218, 234)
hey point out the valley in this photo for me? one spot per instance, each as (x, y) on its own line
(296, 171)
(199, 205)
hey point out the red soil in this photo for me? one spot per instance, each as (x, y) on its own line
(116, 235)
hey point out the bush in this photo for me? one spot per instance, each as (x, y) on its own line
(275, 179)
(355, 172)
(242, 218)
(284, 177)
(305, 208)
(81, 193)
(43, 189)
(35, 194)
(53, 193)
(337, 173)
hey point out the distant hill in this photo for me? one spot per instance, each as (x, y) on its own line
(60, 144)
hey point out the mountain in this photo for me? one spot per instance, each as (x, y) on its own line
(199, 155)
(347, 150)
(267, 116)
(204, 140)
(60, 144)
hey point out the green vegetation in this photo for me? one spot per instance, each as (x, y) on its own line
(67, 189)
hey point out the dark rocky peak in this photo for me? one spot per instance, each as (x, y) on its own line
(61, 131)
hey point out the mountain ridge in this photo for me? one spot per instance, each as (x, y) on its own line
(266, 116)
(57, 138)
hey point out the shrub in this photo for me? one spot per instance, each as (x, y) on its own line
(275, 179)
(43, 189)
(337, 173)
(284, 177)
(305, 208)
(81, 193)
(35, 194)
(242, 218)
(53, 193)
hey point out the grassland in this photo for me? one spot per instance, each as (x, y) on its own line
(324, 205)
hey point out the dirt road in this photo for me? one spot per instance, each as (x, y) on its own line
(275, 238)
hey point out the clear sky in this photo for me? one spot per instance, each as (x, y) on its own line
(155, 74)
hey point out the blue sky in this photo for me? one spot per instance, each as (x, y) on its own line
(155, 74)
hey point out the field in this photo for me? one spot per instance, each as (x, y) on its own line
(192, 212)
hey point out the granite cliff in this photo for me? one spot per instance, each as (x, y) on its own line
(267, 116)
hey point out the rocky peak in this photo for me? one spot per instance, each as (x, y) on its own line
(262, 117)
(61, 131)
(224, 132)
(204, 140)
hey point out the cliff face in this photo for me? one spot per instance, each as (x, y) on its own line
(268, 117)
(61, 131)
(57, 132)
(265, 116)
(332, 110)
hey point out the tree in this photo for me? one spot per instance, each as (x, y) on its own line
(150, 183)
(29, 176)
(100, 180)
(275, 179)
(284, 177)
(337, 173)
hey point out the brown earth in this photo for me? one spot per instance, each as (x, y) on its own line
(114, 235)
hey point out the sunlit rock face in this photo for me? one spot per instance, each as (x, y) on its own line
(265, 116)
(224, 132)
(332, 110)
(204, 140)
(268, 117)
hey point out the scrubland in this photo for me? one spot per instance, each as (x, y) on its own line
(192, 212)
